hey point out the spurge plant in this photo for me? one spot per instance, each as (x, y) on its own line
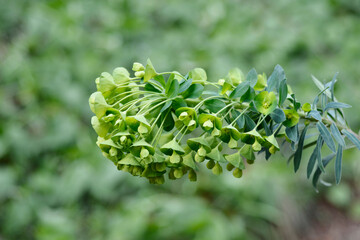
(156, 124)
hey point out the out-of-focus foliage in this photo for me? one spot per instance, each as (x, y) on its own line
(55, 184)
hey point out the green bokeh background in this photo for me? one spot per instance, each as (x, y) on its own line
(54, 182)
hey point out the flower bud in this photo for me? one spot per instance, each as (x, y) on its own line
(138, 67)
(221, 82)
(139, 74)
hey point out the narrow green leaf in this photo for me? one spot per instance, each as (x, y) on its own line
(352, 138)
(194, 91)
(319, 145)
(275, 78)
(338, 161)
(321, 86)
(240, 121)
(332, 86)
(214, 105)
(185, 85)
(298, 153)
(251, 77)
(318, 172)
(166, 106)
(172, 89)
(326, 136)
(240, 90)
(336, 133)
(283, 91)
(292, 133)
(248, 96)
(336, 105)
(249, 123)
(311, 162)
(314, 114)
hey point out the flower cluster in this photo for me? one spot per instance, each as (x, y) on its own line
(165, 124)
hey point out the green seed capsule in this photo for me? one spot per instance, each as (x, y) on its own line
(137, 171)
(229, 167)
(183, 116)
(272, 150)
(250, 161)
(160, 167)
(175, 158)
(210, 164)
(256, 146)
(237, 173)
(217, 169)
(192, 175)
(199, 158)
(125, 168)
(208, 125)
(202, 151)
(178, 173)
(144, 153)
(171, 174)
(159, 180)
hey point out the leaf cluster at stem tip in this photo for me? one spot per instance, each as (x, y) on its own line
(156, 124)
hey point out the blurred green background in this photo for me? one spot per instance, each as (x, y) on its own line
(54, 182)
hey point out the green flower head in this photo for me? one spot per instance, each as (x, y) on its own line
(261, 82)
(200, 145)
(230, 135)
(210, 123)
(142, 149)
(292, 117)
(138, 123)
(265, 102)
(186, 116)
